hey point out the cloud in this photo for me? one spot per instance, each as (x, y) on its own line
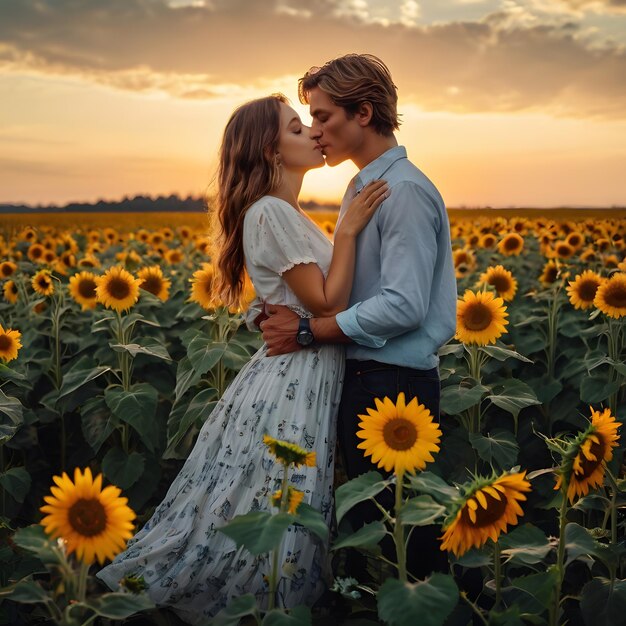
(508, 61)
(596, 6)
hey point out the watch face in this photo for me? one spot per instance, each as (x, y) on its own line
(304, 338)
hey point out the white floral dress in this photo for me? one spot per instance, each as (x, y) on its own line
(186, 562)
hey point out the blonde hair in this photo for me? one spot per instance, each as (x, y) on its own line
(350, 81)
(247, 170)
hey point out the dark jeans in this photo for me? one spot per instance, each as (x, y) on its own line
(364, 381)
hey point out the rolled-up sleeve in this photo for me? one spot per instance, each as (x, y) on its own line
(409, 223)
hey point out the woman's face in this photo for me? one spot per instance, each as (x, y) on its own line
(297, 151)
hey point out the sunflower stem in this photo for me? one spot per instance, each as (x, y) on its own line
(560, 558)
(284, 507)
(398, 529)
(82, 581)
(613, 506)
(474, 608)
(497, 573)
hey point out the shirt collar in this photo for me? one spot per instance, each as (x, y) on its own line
(377, 168)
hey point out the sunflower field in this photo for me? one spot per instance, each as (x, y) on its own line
(114, 350)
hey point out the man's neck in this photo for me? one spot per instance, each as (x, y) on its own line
(372, 148)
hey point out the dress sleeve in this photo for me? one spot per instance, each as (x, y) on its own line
(278, 238)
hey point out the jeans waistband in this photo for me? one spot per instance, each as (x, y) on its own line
(354, 365)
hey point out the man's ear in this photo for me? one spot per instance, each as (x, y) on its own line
(365, 113)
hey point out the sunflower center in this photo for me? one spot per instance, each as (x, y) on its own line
(400, 433)
(477, 316)
(587, 290)
(589, 466)
(551, 273)
(615, 296)
(511, 243)
(153, 284)
(36, 252)
(486, 517)
(118, 288)
(5, 342)
(87, 288)
(43, 282)
(87, 517)
(500, 282)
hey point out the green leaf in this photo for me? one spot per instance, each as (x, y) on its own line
(594, 389)
(204, 353)
(312, 519)
(368, 536)
(298, 616)
(239, 607)
(427, 603)
(456, 399)
(618, 366)
(148, 346)
(258, 531)
(25, 591)
(121, 469)
(421, 511)
(17, 482)
(502, 354)
(186, 377)
(451, 348)
(603, 603)
(513, 395)
(356, 490)
(120, 605)
(33, 539)
(235, 356)
(474, 557)
(579, 542)
(97, 422)
(11, 416)
(525, 545)
(79, 374)
(499, 446)
(433, 485)
(136, 407)
(536, 591)
(199, 407)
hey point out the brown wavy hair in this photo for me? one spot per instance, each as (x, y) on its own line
(247, 171)
(350, 81)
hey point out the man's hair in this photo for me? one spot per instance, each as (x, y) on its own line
(350, 81)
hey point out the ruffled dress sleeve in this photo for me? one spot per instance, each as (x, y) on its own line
(278, 237)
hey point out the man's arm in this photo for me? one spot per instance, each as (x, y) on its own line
(281, 326)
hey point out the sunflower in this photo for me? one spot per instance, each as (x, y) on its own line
(487, 241)
(603, 244)
(501, 280)
(289, 453)
(563, 250)
(511, 244)
(83, 289)
(202, 287)
(94, 522)
(89, 260)
(110, 235)
(399, 437)
(7, 268)
(575, 239)
(174, 256)
(152, 280)
(585, 457)
(295, 498)
(611, 296)
(485, 509)
(480, 318)
(117, 289)
(10, 291)
(549, 274)
(588, 255)
(9, 343)
(582, 290)
(36, 252)
(328, 227)
(42, 283)
(464, 261)
(611, 261)
(184, 232)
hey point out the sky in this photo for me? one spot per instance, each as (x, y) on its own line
(503, 102)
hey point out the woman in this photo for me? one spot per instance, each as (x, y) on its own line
(185, 561)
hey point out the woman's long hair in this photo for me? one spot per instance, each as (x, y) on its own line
(247, 170)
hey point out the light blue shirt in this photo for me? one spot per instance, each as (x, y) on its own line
(402, 307)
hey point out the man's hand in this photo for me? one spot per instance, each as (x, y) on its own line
(280, 329)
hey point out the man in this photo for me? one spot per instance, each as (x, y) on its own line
(403, 300)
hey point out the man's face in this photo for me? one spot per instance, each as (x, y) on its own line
(339, 137)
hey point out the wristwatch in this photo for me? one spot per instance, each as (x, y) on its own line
(305, 334)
